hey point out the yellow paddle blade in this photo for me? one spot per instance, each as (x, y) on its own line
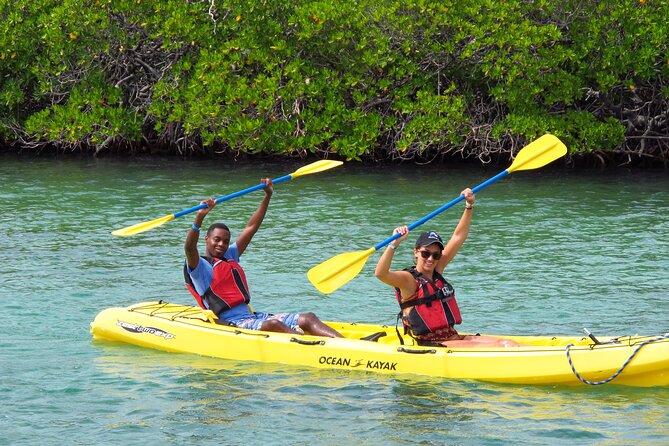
(141, 227)
(538, 153)
(318, 166)
(338, 270)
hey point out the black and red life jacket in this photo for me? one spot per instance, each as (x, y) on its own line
(433, 306)
(228, 286)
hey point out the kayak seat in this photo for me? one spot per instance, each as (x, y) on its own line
(374, 337)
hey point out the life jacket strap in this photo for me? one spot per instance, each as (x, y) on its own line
(422, 300)
(397, 321)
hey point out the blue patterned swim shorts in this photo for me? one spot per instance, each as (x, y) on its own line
(255, 321)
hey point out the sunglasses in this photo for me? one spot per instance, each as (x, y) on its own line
(426, 254)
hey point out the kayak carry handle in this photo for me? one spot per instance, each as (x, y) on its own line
(417, 352)
(303, 342)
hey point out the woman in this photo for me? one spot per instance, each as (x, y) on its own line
(428, 307)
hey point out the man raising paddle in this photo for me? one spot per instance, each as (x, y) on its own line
(218, 283)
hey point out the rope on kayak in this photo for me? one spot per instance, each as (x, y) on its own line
(612, 377)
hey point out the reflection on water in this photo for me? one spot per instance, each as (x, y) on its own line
(205, 392)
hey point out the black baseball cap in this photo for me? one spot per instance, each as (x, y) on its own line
(428, 238)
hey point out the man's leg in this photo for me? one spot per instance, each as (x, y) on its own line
(310, 323)
(277, 327)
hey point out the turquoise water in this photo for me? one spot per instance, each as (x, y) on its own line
(550, 252)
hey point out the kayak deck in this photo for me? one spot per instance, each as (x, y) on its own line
(542, 359)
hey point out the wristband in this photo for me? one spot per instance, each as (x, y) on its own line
(469, 206)
(195, 228)
(391, 246)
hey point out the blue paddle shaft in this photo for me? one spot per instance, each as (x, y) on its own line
(436, 212)
(233, 195)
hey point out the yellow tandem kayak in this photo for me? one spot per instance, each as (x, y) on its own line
(625, 360)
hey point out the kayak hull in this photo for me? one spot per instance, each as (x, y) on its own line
(542, 359)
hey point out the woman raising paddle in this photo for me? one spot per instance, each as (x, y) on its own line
(429, 310)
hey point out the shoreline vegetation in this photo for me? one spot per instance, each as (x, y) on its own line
(406, 81)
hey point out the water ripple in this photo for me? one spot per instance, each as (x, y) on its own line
(549, 252)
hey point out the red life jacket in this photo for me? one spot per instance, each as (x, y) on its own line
(228, 286)
(433, 306)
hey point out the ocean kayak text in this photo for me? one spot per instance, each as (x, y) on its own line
(379, 365)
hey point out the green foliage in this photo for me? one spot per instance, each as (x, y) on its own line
(359, 79)
(92, 113)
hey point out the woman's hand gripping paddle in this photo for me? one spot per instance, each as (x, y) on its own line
(340, 269)
(318, 166)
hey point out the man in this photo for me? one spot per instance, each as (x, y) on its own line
(217, 280)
